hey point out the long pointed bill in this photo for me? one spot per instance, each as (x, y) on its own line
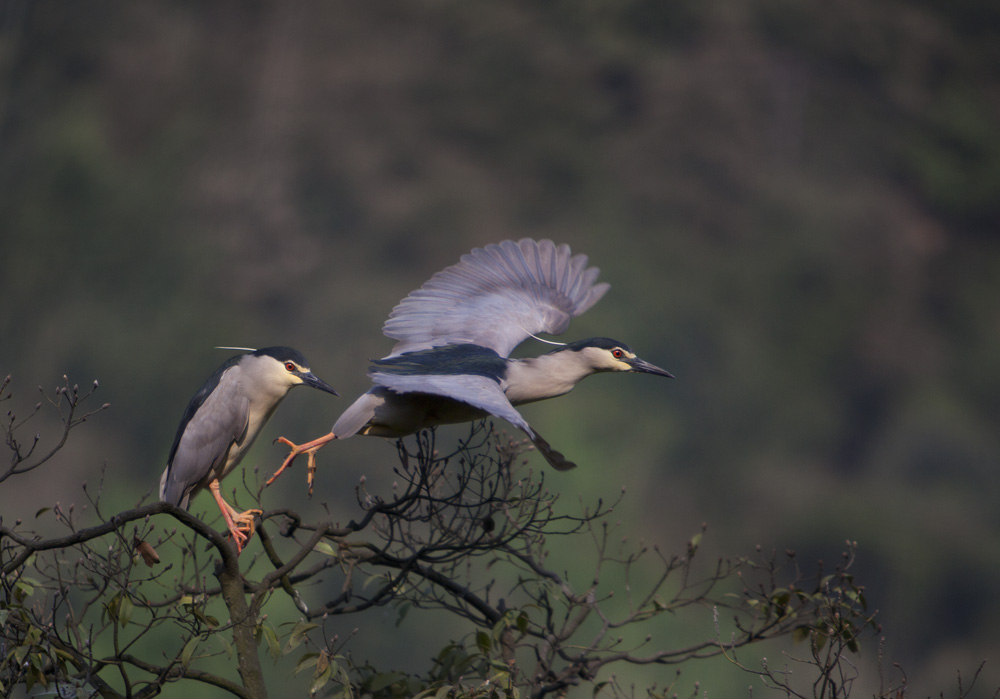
(310, 379)
(645, 367)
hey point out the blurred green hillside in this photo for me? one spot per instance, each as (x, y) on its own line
(797, 206)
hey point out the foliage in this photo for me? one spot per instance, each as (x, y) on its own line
(796, 204)
(465, 534)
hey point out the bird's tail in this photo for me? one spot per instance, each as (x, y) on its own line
(170, 492)
(556, 459)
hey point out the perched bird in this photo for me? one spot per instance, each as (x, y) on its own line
(453, 336)
(221, 422)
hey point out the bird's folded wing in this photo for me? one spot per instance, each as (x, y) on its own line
(497, 296)
(218, 423)
(480, 392)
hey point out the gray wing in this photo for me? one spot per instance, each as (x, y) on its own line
(478, 391)
(496, 297)
(204, 443)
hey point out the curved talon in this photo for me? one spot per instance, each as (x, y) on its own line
(307, 448)
(241, 525)
(244, 526)
(311, 468)
(288, 459)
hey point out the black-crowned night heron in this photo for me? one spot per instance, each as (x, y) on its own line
(221, 423)
(453, 337)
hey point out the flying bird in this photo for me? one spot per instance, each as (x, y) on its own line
(455, 333)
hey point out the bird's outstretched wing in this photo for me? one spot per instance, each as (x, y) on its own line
(211, 426)
(481, 392)
(497, 296)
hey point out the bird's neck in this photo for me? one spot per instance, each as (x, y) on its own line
(538, 378)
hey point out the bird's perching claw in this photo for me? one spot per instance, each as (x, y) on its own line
(221, 423)
(309, 449)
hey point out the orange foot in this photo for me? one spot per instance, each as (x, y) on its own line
(309, 449)
(241, 525)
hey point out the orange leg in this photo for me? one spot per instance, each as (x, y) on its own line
(240, 524)
(307, 448)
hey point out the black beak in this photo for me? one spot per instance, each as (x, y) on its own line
(645, 367)
(310, 379)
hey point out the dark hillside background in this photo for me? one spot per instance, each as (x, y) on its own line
(797, 206)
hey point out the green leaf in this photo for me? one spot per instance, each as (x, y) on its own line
(112, 607)
(325, 548)
(24, 588)
(42, 512)
(522, 622)
(298, 635)
(125, 607)
(271, 636)
(29, 680)
(320, 680)
(40, 677)
(226, 645)
(188, 651)
(306, 662)
(385, 679)
(200, 616)
(63, 655)
(483, 642)
(322, 661)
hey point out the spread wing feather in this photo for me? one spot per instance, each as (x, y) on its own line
(496, 297)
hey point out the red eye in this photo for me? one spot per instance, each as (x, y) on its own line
(617, 353)
(289, 366)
